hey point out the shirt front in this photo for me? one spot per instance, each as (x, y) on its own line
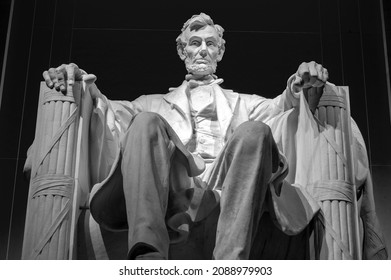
(207, 139)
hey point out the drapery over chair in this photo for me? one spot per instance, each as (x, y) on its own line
(58, 163)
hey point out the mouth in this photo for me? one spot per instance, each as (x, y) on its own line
(201, 61)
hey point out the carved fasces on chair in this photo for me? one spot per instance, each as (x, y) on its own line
(51, 203)
(336, 190)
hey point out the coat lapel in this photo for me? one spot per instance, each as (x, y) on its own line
(178, 116)
(226, 101)
(178, 99)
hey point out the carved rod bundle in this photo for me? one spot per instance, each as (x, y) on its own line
(337, 192)
(47, 228)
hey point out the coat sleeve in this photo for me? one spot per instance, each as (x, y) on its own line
(264, 109)
(109, 121)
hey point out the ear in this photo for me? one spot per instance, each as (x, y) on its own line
(221, 53)
(181, 51)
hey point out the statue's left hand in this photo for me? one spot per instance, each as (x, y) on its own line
(310, 74)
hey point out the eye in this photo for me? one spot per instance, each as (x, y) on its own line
(195, 43)
(210, 43)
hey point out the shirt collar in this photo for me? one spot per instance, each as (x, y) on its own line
(206, 80)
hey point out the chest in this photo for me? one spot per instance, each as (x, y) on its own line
(211, 112)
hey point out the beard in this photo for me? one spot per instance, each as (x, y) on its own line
(200, 68)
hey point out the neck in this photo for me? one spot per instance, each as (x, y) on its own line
(201, 79)
(195, 81)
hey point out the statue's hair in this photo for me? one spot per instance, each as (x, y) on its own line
(197, 22)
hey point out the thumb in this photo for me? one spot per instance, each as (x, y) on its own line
(70, 70)
(89, 78)
(297, 84)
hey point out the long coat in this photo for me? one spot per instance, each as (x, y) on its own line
(111, 119)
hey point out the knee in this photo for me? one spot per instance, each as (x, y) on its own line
(145, 119)
(253, 133)
(146, 125)
(256, 136)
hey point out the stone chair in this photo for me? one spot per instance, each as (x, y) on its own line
(58, 220)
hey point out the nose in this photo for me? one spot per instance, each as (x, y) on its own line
(203, 51)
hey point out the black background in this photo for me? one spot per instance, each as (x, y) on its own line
(130, 46)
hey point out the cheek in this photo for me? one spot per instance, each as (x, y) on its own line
(189, 52)
(214, 54)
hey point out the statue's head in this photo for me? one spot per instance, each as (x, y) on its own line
(201, 45)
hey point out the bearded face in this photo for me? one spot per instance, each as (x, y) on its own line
(202, 51)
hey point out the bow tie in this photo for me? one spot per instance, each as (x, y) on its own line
(207, 80)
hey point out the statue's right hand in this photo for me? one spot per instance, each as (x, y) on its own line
(62, 77)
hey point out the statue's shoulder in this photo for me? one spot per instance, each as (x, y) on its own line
(152, 96)
(246, 97)
(234, 92)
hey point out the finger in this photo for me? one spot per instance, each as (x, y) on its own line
(307, 71)
(311, 80)
(89, 78)
(60, 73)
(47, 79)
(78, 75)
(325, 75)
(61, 81)
(306, 78)
(318, 83)
(53, 78)
(70, 70)
(319, 70)
(312, 69)
(303, 68)
(61, 68)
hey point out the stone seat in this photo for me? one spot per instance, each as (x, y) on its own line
(59, 224)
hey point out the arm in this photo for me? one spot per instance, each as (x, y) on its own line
(115, 114)
(108, 121)
(308, 80)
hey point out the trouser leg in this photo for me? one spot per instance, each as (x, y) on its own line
(244, 168)
(146, 154)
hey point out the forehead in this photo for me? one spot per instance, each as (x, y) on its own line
(207, 31)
